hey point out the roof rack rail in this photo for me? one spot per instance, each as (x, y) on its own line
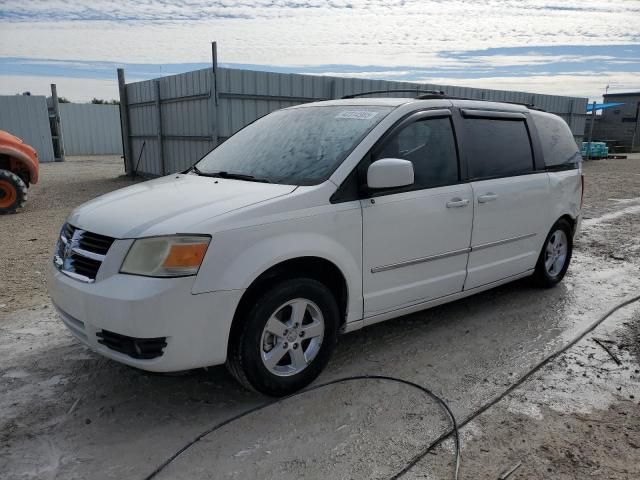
(435, 94)
(419, 93)
(530, 106)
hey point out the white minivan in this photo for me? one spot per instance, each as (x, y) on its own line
(315, 220)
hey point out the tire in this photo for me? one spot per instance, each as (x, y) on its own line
(13, 192)
(558, 245)
(302, 350)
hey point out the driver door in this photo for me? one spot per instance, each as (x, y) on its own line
(416, 239)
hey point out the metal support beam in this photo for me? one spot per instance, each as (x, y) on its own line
(332, 88)
(57, 126)
(593, 119)
(159, 128)
(635, 129)
(213, 97)
(280, 98)
(124, 124)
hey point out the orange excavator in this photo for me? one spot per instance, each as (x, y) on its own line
(19, 168)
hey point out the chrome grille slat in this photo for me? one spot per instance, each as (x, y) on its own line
(86, 253)
(79, 253)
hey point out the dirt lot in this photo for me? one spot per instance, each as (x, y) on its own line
(67, 413)
(28, 238)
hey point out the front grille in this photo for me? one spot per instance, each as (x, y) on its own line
(138, 348)
(79, 253)
(94, 242)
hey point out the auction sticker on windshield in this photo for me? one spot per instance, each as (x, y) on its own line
(357, 114)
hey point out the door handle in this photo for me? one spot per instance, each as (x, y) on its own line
(487, 197)
(457, 202)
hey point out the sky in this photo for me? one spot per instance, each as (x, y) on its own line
(559, 47)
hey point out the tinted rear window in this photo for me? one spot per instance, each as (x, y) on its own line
(558, 145)
(498, 148)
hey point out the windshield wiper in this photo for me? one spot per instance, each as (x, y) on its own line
(233, 176)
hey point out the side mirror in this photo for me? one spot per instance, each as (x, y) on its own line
(390, 173)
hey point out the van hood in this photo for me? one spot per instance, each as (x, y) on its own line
(168, 205)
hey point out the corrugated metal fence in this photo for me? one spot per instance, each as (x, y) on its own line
(27, 117)
(91, 129)
(173, 121)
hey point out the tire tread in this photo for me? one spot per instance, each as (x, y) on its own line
(21, 190)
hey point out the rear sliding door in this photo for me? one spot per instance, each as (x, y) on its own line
(510, 196)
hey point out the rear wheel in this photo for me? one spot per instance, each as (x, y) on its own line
(286, 339)
(13, 192)
(555, 256)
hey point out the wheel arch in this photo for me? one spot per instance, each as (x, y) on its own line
(572, 221)
(19, 163)
(317, 268)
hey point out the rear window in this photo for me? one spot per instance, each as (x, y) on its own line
(558, 145)
(498, 148)
(299, 146)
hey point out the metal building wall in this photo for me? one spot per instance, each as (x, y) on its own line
(91, 129)
(181, 117)
(27, 117)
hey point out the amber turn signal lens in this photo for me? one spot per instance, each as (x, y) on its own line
(186, 255)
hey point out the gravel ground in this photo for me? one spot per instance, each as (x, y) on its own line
(67, 413)
(580, 416)
(28, 237)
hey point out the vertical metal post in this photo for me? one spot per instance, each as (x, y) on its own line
(159, 128)
(332, 88)
(124, 125)
(213, 97)
(570, 116)
(593, 119)
(57, 124)
(214, 62)
(635, 130)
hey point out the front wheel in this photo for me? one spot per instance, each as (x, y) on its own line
(555, 256)
(286, 338)
(13, 192)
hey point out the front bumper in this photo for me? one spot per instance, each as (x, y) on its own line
(196, 327)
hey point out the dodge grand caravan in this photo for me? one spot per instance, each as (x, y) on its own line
(315, 220)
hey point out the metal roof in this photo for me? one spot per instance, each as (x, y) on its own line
(627, 94)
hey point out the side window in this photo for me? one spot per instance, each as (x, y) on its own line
(498, 148)
(430, 145)
(559, 148)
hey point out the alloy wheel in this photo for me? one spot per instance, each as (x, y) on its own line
(292, 337)
(556, 253)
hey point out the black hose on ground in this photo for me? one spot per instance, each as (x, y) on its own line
(455, 426)
(423, 389)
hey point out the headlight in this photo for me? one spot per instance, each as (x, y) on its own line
(172, 256)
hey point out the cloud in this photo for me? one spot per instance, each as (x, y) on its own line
(303, 32)
(454, 40)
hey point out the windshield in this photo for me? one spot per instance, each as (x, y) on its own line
(300, 146)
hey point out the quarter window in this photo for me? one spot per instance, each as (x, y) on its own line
(430, 145)
(498, 148)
